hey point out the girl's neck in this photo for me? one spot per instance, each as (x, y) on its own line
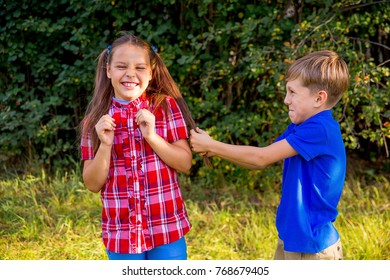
(121, 101)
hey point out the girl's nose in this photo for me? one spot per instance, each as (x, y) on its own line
(129, 73)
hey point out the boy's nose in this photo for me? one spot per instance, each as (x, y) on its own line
(286, 100)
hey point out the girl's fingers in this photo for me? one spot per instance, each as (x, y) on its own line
(144, 116)
(106, 123)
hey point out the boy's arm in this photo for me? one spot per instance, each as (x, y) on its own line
(246, 156)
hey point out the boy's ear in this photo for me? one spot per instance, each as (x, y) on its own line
(322, 97)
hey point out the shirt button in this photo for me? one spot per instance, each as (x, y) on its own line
(139, 222)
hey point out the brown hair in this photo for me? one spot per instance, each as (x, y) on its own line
(322, 70)
(161, 85)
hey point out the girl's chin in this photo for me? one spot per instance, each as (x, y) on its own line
(128, 96)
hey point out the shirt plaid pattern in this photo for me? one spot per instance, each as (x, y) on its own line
(142, 202)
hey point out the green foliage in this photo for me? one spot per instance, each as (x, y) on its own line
(229, 59)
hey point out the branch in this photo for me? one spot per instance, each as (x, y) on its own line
(348, 8)
(311, 32)
(371, 42)
(384, 62)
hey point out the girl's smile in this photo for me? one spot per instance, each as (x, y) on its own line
(130, 85)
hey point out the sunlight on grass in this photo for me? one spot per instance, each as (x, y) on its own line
(223, 233)
(57, 218)
(364, 219)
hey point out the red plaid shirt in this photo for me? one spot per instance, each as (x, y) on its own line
(142, 202)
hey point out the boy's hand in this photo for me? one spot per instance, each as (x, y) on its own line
(200, 141)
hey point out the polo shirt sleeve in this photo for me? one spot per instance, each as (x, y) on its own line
(176, 126)
(287, 132)
(308, 139)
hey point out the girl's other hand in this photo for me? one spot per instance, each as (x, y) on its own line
(105, 130)
(146, 121)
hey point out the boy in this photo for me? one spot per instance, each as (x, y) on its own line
(314, 158)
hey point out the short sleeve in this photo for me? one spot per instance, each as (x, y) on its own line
(177, 128)
(87, 152)
(308, 139)
(287, 132)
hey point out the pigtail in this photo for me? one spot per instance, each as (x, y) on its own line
(101, 99)
(163, 82)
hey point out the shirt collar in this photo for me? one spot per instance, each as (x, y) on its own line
(141, 101)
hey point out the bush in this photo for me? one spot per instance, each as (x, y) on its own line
(228, 58)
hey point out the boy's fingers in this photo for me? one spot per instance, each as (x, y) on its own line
(197, 130)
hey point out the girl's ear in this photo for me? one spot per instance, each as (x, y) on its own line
(108, 71)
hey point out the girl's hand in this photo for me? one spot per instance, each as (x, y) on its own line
(105, 130)
(200, 141)
(146, 121)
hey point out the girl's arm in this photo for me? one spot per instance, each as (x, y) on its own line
(246, 156)
(95, 171)
(177, 155)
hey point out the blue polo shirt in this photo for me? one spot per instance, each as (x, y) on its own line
(312, 184)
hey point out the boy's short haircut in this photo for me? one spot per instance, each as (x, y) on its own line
(321, 70)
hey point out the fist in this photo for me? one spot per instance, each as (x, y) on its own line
(105, 129)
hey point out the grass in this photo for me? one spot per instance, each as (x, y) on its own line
(55, 218)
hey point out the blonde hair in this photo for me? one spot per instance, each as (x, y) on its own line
(321, 70)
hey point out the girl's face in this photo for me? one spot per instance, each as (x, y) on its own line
(129, 71)
(302, 104)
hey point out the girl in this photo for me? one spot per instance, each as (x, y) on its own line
(134, 140)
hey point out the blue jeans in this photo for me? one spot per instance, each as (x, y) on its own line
(173, 251)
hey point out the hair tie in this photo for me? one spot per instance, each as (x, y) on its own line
(109, 49)
(154, 49)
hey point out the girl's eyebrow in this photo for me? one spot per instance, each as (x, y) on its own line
(138, 64)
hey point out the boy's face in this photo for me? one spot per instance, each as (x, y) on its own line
(300, 101)
(129, 71)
